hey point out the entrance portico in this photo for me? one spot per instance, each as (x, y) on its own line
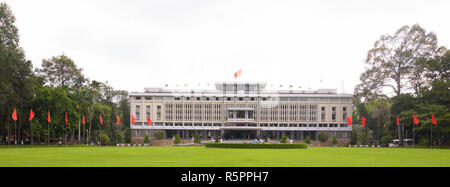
(240, 133)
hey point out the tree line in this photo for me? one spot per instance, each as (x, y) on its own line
(58, 87)
(406, 74)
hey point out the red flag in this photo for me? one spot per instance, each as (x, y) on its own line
(66, 118)
(14, 115)
(349, 120)
(397, 120)
(149, 122)
(48, 118)
(379, 123)
(31, 115)
(118, 120)
(238, 73)
(133, 120)
(415, 120)
(83, 120)
(363, 121)
(101, 120)
(433, 120)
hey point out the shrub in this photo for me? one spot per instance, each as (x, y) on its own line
(322, 137)
(146, 139)
(335, 142)
(256, 146)
(177, 139)
(353, 138)
(308, 140)
(104, 139)
(387, 139)
(283, 138)
(364, 139)
(197, 139)
(160, 134)
(119, 138)
(423, 141)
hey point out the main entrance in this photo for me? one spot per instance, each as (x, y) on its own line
(240, 134)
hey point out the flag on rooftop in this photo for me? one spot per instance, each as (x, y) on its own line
(238, 73)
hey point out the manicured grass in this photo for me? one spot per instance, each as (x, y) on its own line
(210, 157)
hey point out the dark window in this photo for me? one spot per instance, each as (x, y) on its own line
(148, 98)
(138, 98)
(198, 98)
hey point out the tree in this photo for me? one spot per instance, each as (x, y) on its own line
(322, 137)
(61, 71)
(308, 140)
(177, 139)
(353, 137)
(387, 139)
(334, 141)
(197, 138)
(392, 61)
(283, 138)
(146, 139)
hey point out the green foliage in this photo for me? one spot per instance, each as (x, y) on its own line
(353, 138)
(61, 71)
(177, 139)
(104, 139)
(334, 141)
(256, 146)
(146, 139)
(423, 141)
(197, 138)
(323, 137)
(160, 134)
(387, 139)
(283, 138)
(363, 139)
(308, 140)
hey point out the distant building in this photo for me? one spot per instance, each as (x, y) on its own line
(241, 111)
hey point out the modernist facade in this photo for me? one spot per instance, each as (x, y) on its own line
(241, 111)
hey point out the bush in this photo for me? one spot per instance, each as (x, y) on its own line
(322, 137)
(104, 139)
(256, 146)
(308, 140)
(353, 138)
(119, 138)
(160, 134)
(146, 139)
(423, 141)
(177, 139)
(387, 139)
(197, 139)
(335, 142)
(283, 138)
(364, 139)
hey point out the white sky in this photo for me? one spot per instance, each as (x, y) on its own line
(137, 44)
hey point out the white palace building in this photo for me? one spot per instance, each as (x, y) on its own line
(242, 111)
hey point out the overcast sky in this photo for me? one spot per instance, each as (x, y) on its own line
(134, 44)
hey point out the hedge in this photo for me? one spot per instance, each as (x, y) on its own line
(255, 146)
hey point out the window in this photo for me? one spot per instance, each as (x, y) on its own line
(138, 115)
(228, 98)
(187, 98)
(284, 99)
(138, 108)
(148, 107)
(252, 99)
(207, 98)
(217, 98)
(241, 98)
(148, 98)
(138, 98)
(177, 99)
(199, 98)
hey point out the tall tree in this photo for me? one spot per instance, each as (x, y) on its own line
(62, 71)
(391, 62)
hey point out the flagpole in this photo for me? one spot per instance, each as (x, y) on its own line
(414, 135)
(15, 133)
(431, 136)
(31, 133)
(48, 134)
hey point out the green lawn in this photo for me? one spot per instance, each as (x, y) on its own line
(210, 157)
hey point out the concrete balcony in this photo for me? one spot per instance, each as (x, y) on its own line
(241, 120)
(153, 127)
